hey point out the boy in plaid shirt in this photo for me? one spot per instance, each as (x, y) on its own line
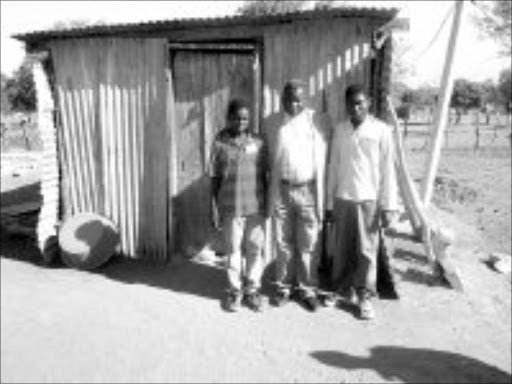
(238, 172)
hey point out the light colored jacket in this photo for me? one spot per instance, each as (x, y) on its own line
(322, 130)
(363, 169)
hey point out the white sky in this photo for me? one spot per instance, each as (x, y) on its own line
(476, 58)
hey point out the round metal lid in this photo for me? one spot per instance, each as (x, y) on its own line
(87, 240)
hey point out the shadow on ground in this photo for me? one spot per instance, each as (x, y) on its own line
(206, 278)
(19, 247)
(414, 365)
(415, 268)
(179, 275)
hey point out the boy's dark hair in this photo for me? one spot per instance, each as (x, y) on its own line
(235, 105)
(354, 90)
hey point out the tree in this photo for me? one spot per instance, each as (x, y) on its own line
(325, 4)
(403, 111)
(271, 7)
(5, 106)
(425, 96)
(489, 99)
(20, 89)
(75, 24)
(496, 23)
(466, 95)
(505, 89)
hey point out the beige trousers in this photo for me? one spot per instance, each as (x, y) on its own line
(244, 239)
(354, 263)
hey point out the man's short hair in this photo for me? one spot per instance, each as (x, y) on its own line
(354, 90)
(293, 85)
(235, 105)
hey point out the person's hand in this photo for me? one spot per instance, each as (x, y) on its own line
(387, 218)
(329, 216)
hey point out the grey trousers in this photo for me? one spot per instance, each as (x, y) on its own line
(354, 263)
(296, 235)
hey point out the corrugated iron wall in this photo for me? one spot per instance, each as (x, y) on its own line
(111, 97)
(327, 54)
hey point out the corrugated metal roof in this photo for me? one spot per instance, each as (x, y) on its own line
(192, 23)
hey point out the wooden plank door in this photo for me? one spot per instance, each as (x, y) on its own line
(204, 82)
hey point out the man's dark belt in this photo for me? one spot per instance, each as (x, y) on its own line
(296, 185)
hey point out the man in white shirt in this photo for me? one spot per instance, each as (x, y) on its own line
(362, 196)
(296, 196)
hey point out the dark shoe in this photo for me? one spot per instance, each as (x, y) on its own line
(311, 303)
(328, 300)
(349, 296)
(254, 301)
(279, 299)
(232, 302)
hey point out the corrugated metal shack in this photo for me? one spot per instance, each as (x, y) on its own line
(128, 112)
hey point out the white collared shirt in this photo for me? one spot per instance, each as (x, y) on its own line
(297, 148)
(361, 165)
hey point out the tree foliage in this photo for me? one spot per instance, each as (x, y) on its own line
(466, 95)
(326, 4)
(497, 23)
(5, 106)
(425, 96)
(75, 24)
(505, 89)
(271, 7)
(488, 93)
(20, 89)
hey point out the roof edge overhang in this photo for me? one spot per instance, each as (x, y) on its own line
(166, 26)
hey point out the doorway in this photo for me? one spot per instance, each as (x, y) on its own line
(205, 78)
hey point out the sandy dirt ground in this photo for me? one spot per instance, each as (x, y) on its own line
(133, 322)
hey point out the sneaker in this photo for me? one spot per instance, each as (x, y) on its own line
(253, 301)
(311, 303)
(280, 298)
(366, 310)
(233, 302)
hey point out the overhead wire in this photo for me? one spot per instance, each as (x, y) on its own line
(436, 35)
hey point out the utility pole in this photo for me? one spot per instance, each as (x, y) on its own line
(442, 111)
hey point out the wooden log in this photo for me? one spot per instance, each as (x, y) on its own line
(412, 202)
(436, 240)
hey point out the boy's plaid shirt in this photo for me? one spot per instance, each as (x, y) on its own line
(241, 163)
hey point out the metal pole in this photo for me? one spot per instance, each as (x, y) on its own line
(441, 116)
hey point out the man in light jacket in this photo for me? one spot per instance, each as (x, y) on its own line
(362, 197)
(297, 195)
